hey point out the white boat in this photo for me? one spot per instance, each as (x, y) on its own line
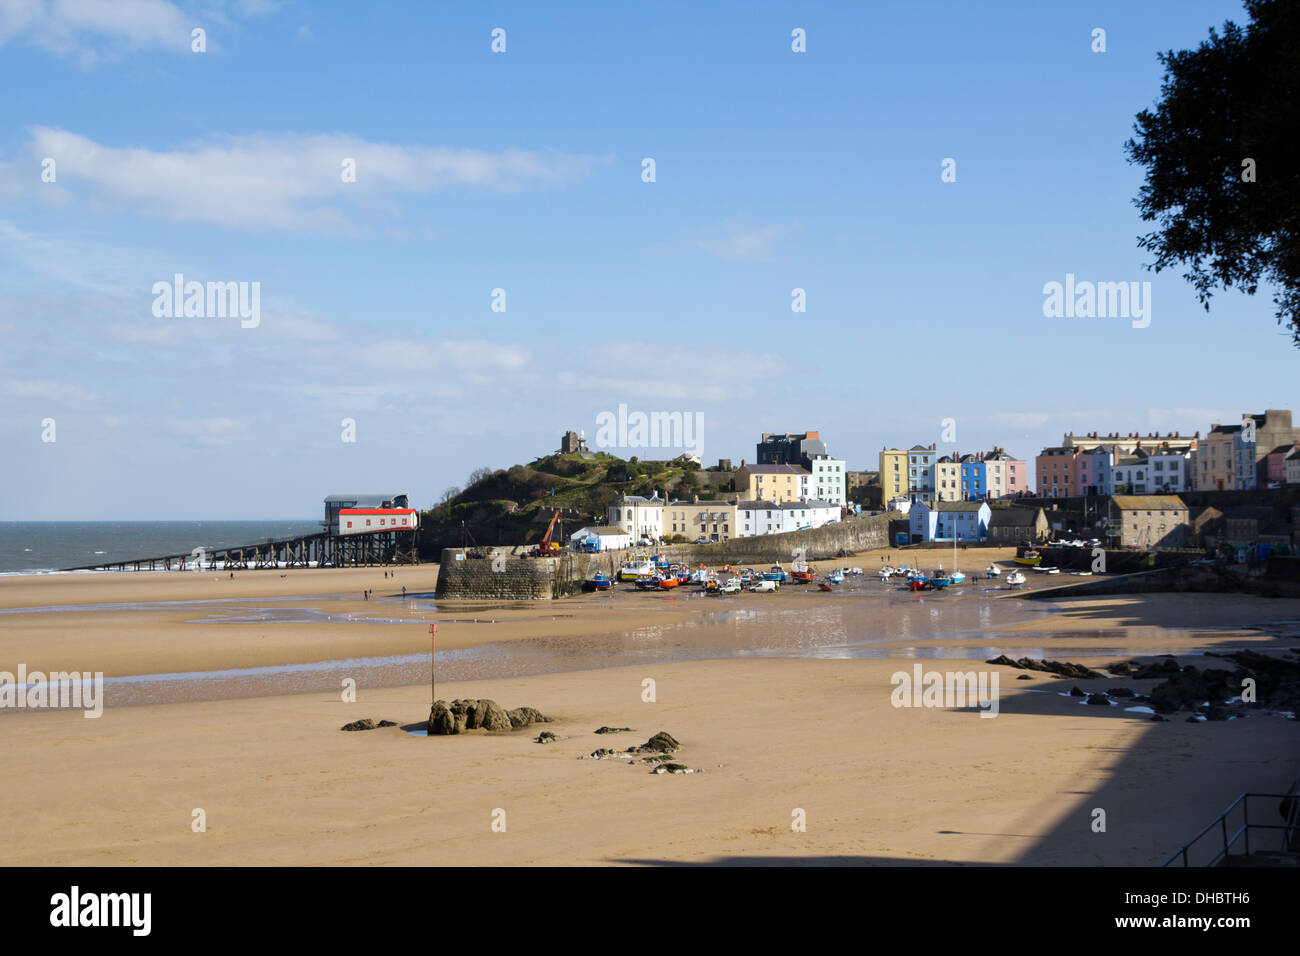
(1016, 579)
(634, 569)
(993, 571)
(1046, 570)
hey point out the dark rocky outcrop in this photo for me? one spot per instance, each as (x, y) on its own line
(662, 742)
(1157, 670)
(1024, 677)
(546, 737)
(1061, 668)
(1189, 688)
(387, 723)
(479, 714)
(524, 716)
(672, 768)
(1121, 692)
(1075, 692)
(442, 721)
(365, 723)
(1100, 700)
(612, 730)
(1120, 668)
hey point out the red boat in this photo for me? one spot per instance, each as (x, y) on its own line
(826, 587)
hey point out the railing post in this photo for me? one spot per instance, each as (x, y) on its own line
(1223, 822)
(1245, 810)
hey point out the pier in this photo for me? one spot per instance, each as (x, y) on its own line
(321, 550)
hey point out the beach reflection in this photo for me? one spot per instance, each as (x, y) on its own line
(880, 624)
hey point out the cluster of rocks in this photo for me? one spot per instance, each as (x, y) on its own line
(659, 751)
(1214, 693)
(1060, 668)
(485, 714)
(612, 730)
(368, 723)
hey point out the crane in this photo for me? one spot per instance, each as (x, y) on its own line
(546, 546)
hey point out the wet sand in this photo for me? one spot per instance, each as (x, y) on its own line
(783, 700)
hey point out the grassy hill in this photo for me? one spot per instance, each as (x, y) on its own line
(513, 505)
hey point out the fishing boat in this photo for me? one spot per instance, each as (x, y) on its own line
(647, 582)
(957, 577)
(601, 583)
(776, 573)
(939, 581)
(631, 570)
(800, 573)
(1027, 556)
(835, 577)
(918, 582)
(1016, 579)
(887, 572)
(993, 571)
(825, 586)
(668, 583)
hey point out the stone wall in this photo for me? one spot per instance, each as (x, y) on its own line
(492, 574)
(486, 574)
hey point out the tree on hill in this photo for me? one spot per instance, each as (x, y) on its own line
(1217, 149)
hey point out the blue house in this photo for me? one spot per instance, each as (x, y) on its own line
(972, 477)
(968, 520)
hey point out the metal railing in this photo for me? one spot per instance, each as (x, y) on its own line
(1243, 832)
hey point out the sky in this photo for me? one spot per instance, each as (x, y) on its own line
(381, 355)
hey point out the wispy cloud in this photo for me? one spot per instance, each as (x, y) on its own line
(286, 181)
(736, 240)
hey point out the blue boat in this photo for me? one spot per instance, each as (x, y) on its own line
(601, 583)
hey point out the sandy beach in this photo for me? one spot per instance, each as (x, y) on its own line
(783, 702)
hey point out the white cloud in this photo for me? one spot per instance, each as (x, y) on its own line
(90, 30)
(287, 181)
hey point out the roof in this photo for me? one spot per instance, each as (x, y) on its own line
(957, 505)
(1148, 502)
(775, 469)
(754, 504)
(601, 530)
(1294, 456)
(791, 505)
(641, 499)
(1014, 517)
(1282, 448)
(920, 448)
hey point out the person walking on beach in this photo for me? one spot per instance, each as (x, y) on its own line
(365, 595)
(403, 590)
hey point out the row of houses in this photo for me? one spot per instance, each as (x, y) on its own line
(1262, 451)
(921, 474)
(1149, 522)
(655, 519)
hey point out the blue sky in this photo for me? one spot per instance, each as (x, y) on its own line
(522, 171)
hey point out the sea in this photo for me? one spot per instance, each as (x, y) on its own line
(30, 547)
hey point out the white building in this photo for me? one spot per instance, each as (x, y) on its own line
(758, 517)
(799, 515)
(902, 504)
(607, 538)
(639, 517)
(1170, 472)
(826, 479)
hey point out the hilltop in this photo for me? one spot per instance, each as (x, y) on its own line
(513, 505)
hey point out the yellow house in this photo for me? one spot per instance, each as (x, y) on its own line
(947, 479)
(893, 474)
(774, 483)
(695, 519)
